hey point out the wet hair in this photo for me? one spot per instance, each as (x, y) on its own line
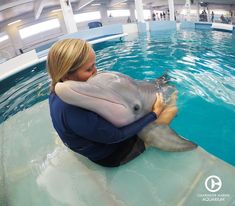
(66, 56)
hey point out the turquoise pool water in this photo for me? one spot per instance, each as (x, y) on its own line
(200, 64)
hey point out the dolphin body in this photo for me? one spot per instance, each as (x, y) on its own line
(123, 100)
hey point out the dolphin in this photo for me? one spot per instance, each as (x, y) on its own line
(123, 100)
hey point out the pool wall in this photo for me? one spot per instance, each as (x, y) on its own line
(203, 25)
(142, 27)
(18, 63)
(200, 25)
(39, 54)
(96, 32)
(162, 25)
(187, 25)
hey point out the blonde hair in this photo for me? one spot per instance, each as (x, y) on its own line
(66, 56)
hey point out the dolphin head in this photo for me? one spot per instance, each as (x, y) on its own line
(116, 97)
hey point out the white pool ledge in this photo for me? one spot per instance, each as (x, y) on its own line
(17, 64)
(221, 26)
(107, 38)
(31, 58)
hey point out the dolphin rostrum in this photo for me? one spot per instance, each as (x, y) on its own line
(123, 100)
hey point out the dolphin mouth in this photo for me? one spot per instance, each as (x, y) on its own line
(100, 98)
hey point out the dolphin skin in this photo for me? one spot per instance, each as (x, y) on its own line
(123, 100)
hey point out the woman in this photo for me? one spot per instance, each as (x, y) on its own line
(84, 131)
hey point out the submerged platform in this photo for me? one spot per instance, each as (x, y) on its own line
(50, 174)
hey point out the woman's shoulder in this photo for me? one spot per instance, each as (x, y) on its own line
(59, 105)
(55, 101)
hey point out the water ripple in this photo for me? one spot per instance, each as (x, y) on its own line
(201, 63)
(25, 92)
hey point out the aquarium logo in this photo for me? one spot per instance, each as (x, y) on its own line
(213, 183)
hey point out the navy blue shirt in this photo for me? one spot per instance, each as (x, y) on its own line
(89, 134)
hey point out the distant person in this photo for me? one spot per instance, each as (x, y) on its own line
(168, 14)
(157, 16)
(212, 16)
(153, 16)
(231, 13)
(223, 20)
(164, 16)
(128, 20)
(176, 15)
(204, 15)
(161, 16)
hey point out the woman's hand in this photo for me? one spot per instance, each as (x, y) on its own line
(159, 104)
(169, 111)
(167, 115)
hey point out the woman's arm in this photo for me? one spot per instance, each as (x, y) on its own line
(95, 128)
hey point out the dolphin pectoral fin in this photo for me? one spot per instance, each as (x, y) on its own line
(162, 80)
(164, 138)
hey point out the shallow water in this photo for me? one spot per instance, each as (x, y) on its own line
(201, 66)
(39, 170)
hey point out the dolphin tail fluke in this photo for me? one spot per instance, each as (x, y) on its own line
(164, 138)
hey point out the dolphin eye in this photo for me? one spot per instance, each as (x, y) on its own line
(136, 107)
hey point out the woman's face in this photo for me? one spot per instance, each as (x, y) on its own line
(86, 71)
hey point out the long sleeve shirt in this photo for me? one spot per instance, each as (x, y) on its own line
(87, 133)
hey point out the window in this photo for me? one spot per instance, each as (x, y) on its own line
(147, 14)
(184, 11)
(123, 13)
(87, 16)
(118, 13)
(38, 28)
(3, 37)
